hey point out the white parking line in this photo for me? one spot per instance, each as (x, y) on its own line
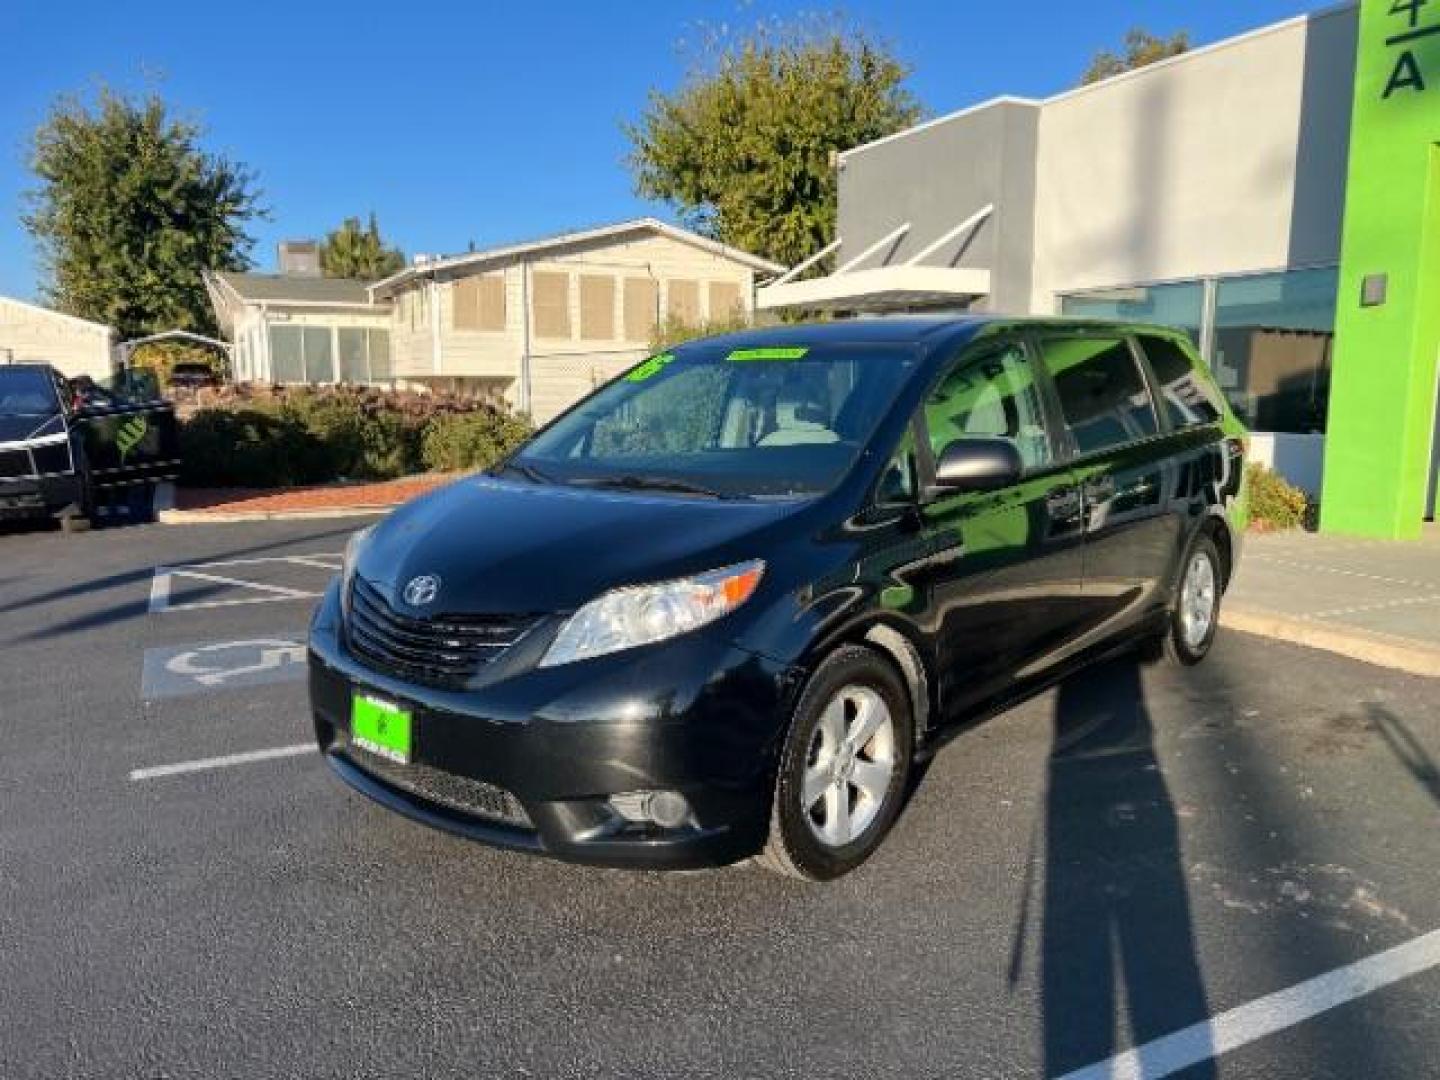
(162, 584)
(1265, 1016)
(225, 762)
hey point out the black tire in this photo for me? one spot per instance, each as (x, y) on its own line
(793, 847)
(1178, 644)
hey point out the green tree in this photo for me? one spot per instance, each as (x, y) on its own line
(744, 148)
(353, 252)
(1141, 48)
(130, 212)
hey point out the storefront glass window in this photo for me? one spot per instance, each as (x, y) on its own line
(1181, 305)
(1273, 342)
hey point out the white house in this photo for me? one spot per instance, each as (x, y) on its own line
(288, 328)
(545, 321)
(33, 334)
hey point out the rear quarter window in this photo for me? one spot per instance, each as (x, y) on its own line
(1186, 392)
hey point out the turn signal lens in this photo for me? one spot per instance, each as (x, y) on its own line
(644, 614)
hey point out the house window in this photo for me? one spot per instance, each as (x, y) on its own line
(551, 292)
(319, 354)
(641, 306)
(287, 355)
(354, 366)
(684, 302)
(379, 349)
(479, 302)
(364, 354)
(725, 301)
(597, 307)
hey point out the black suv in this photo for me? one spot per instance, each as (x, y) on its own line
(720, 607)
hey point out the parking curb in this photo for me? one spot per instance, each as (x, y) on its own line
(1383, 650)
(166, 514)
(214, 517)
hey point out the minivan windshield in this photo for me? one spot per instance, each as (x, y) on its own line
(714, 421)
(27, 391)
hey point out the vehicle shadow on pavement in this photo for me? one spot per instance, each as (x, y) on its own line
(141, 575)
(1117, 941)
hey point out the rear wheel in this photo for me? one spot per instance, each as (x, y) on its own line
(1195, 614)
(843, 769)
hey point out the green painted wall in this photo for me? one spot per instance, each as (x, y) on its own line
(1383, 389)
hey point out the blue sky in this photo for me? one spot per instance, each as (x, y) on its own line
(482, 121)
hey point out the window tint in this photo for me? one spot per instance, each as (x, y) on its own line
(1184, 390)
(990, 394)
(1102, 394)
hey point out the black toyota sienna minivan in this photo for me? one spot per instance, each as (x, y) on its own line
(722, 606)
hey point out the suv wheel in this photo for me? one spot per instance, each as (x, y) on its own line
(843, 770)
(1195, 614)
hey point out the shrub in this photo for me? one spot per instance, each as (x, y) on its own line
(249, 448)
(275, 437)
(1275, 503)
(460, 442)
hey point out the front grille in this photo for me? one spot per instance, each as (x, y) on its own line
(473, 797)
(15, 463)
(445, 651)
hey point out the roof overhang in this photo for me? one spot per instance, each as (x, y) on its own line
(477, 260)
(881, 288)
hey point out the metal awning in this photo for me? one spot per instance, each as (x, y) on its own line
(882, 288)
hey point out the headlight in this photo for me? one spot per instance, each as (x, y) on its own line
(643, 614)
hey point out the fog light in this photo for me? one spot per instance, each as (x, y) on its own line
(667, 809)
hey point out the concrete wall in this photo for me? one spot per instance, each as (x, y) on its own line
(936, 175)
(1230, 159)
(30, 334)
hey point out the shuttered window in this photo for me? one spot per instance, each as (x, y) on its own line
(725, 301)
(551, 298)
(597, 307)
(684, 301)
(640, 308)
(479, 302)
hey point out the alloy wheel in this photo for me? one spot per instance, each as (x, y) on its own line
(1198, 596)
(848, 769)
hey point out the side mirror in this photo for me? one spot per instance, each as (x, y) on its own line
(978, 464)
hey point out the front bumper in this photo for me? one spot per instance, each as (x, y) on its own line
(34, 497)
(529, 762)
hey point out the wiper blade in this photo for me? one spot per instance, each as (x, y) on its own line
(654, 483)
(529, 472)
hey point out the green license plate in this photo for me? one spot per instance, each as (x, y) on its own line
(380, 727)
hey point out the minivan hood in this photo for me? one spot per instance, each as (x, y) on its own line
(509, 548)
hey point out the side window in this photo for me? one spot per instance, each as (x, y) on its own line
(898, 483)
(1102, 394)
(1185, 392)
(990, 393)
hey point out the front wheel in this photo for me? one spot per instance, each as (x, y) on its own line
(1195, 615)
(843, 770)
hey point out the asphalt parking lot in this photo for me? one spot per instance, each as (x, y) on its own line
(1212, 865)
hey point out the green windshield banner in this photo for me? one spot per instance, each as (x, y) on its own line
(1382, 418)
(793, 353)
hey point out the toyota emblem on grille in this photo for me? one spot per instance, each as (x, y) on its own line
(422, 590)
